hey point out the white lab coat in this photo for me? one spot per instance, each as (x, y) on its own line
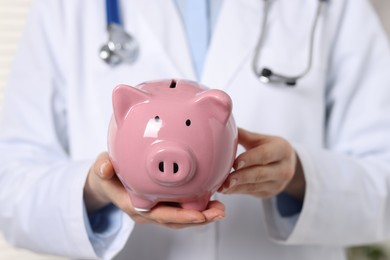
(58, 105)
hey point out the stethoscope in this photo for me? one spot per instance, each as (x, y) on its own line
(265, 74)
(123, 47)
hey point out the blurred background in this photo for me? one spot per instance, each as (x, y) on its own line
(12, 19)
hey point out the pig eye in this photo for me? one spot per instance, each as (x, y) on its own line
(188, 122)
(156, 118)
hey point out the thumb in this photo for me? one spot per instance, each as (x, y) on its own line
(103, 166)
(249, 139)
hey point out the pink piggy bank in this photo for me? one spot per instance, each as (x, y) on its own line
(171, 141)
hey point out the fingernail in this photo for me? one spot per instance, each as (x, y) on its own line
(218, 218)
(232, 183)
(194, 218)
(196, 221)
(102, 169)
(240, 165)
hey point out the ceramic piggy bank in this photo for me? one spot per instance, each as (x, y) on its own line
(171, 141)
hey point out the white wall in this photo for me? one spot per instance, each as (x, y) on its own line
(12, 19)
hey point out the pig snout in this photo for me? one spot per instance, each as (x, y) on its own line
(170, 164)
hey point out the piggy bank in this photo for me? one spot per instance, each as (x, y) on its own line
(171, 141)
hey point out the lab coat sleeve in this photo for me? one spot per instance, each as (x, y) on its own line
(41, 185)
(347, 200)
(103, 228)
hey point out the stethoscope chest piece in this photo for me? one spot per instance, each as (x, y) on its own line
(267, 75)
(121, 47)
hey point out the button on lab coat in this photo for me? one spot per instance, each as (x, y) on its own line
(58, 105)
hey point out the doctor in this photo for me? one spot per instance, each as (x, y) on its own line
(314, 172)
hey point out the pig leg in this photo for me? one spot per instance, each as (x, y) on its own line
(199, 204)
(141, 204)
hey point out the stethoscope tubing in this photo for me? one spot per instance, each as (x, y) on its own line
(121, 46)
(260, 41)
(127, 48)
(266, 75)
(112, 13)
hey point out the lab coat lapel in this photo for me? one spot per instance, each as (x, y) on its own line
(165, 22)
(233, 41)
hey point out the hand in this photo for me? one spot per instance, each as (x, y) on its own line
(103, 187)
(268, 167)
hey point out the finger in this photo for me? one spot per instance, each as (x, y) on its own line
(214, 211)
(216, 204)
(139, 219)
(255, 174)
(263, 190)
(266, 153)
(163, 214)
(182, 226)
(103, 166)
(249, 139)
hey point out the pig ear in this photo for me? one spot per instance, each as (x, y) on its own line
(123, 98)
(216, 102)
